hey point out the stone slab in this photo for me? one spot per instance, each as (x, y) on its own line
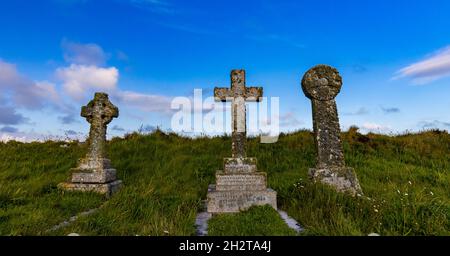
(235, 201)
(244, 164)
(96, 164)
(241, 181)
(104, 176)
(343, 179)
(106, 188)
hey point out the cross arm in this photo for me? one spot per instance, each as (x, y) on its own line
(221, 94)
(111, 110)
(253, 94)
(86, 111)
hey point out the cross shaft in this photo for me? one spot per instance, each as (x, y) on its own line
(238, 94)
(99, 113)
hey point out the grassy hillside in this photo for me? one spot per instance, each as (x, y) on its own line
(407, 180)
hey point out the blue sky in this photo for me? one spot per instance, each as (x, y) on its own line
(394, 57)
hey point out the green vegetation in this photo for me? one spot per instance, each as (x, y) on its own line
(406, 179)
(256, 221)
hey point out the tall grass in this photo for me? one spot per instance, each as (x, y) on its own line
(405, 178)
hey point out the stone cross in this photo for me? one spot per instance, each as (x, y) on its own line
(94, 172)
(238, 95)
(239, 185)
(322, 84)
(99, 112)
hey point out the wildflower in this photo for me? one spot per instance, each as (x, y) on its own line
(431, 193)
(406, 194)
(398, 191)
(376, 210)
(166, 232)
(410, 183)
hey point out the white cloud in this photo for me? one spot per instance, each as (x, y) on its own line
(289, 119)
(8, 73)
(23, 91)
(47, 89)
(22, 136)
(434, 67)
(76, 81)
(374, 127)
(32, 136)
(145, 102)
(83, 54)
(5, 137)
(9, 116)
(80, 79)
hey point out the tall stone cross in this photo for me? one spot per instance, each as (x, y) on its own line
(239, 185)
(99, 112)
(238, 95)
(322, 84)
(94, 172)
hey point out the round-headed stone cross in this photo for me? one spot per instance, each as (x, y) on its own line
(321, 84)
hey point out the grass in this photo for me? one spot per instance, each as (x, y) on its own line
(406, 179)
(256, 221)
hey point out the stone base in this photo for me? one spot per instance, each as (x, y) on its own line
(102, 188)
(94, 163)
(93, 176)
(244, 164)
(238, 200)
(241, 181)
(343, 179)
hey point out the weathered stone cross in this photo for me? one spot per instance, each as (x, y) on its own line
(322, 84)
(99, 112)
(239, 185)
(238, 95)
(94, 171)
